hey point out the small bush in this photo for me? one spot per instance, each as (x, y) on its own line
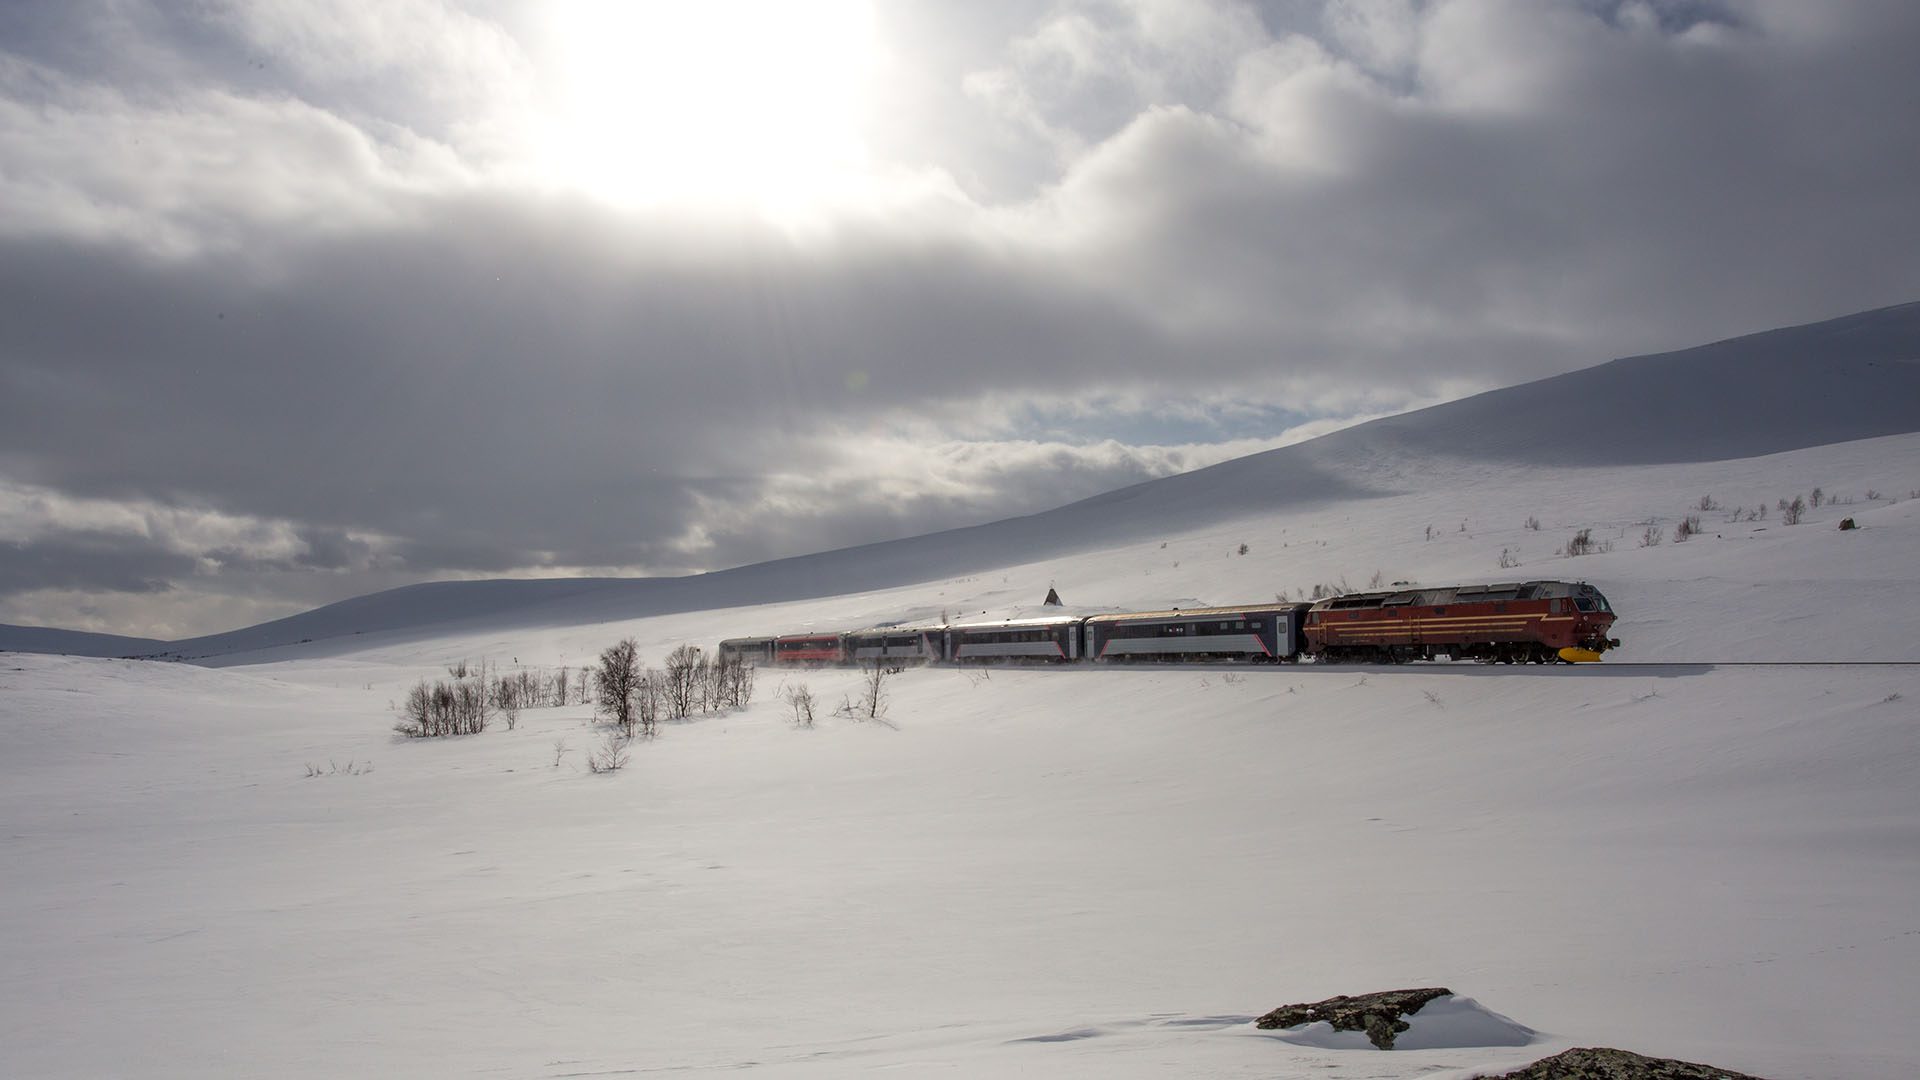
(1581, 544)
(1533, 524)
(609, 756)
(1706, 503)
(1508, 560)
(1243, 549)
(1818, 497)
(800, 700)
(1688, 527)
(1792, 512)
(1653, 536)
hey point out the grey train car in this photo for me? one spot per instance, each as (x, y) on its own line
(1052, 638)
(754, 650)
(1270, 633)
(895, 645)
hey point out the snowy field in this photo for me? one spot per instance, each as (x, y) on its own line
(1048, 872)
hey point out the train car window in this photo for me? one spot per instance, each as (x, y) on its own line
(1583, 604)
(1256, 623)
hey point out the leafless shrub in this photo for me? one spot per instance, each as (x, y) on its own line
(357, 768)
(1818, 496)
(1243, 548)
(1580, 544)
(1378, 579)
(1429, 532)
(611, 755)
(1508, 559)
(1706, 503)
(560, 750)
(800, 700)
(1533, 524)
(1688, 527)
(873, 691)
(508, 693)
(461, 706)
(1872, 495)
(1792, 512)
(1653, 536)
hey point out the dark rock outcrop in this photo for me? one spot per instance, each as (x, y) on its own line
(1602, 1063)
(1379, 1015)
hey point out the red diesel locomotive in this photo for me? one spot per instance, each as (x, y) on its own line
(1521, 622)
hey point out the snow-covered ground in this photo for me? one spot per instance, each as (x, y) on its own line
(1052, 872)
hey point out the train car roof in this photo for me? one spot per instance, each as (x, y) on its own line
(993, 624)
(1195, 613)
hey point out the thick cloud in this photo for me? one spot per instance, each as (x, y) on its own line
(254, 275)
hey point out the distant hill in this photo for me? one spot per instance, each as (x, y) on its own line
(44, 639)
(1850, 378)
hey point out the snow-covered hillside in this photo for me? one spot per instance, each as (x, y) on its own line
(1074, 872)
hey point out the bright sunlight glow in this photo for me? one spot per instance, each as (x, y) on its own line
(720, 102)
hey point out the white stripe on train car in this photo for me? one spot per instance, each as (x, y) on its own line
(1199, 644)
(1007, 648)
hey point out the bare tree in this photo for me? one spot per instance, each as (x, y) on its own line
(683, 677)
(648, 697)
(873, 691)
(616, 679)
(1791, 512)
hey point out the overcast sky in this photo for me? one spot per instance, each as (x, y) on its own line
(300, 299)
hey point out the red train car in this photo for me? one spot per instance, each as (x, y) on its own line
(812, 649)
(1520, 622)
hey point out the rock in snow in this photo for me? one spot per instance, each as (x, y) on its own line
(1379, 1015)
(1602, 1063)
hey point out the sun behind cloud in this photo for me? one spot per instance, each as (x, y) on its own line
(725, 102)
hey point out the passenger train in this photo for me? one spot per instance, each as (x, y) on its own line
(1517, 622)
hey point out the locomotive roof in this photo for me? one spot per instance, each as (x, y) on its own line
(1445, 594)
